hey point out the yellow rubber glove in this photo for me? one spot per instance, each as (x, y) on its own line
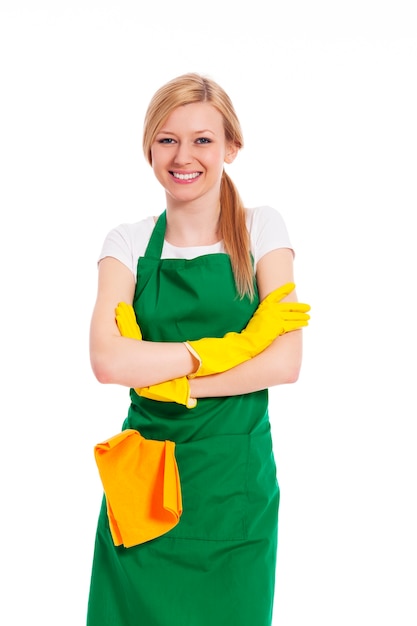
(177, 390)
(271, 319)
(126, 321)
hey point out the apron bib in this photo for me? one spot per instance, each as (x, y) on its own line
(217, 566)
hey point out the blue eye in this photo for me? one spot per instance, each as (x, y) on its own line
(203, 140)
(167, 140)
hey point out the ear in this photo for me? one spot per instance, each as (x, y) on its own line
(231, 153)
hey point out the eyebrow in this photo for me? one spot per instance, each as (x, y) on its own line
(205, 130)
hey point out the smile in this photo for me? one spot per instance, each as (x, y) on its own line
(190, 176)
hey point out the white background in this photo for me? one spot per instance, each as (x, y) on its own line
(326, 93)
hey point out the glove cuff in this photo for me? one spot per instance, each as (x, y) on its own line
(197, 358)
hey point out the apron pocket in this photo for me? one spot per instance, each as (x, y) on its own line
(213, 475)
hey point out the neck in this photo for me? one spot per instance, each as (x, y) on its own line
(192, 226)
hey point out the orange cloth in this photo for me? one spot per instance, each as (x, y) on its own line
(142, 485)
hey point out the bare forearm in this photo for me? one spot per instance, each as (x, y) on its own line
(121, 360)
(133, 363)
(277, 365)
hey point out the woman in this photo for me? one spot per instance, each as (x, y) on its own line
(199, 270)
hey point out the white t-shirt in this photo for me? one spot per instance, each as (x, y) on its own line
(127, 242)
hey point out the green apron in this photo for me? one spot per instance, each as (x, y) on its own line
(217, 566)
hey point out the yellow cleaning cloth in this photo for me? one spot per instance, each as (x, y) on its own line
(142, 486)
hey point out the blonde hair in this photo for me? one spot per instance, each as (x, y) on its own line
(187, 89)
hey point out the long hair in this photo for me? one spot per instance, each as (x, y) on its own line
(187, 89)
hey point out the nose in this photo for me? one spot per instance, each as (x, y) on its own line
(182, 154)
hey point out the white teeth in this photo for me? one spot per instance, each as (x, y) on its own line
(185, 176)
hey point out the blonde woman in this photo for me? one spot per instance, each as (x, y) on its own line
(198, 270)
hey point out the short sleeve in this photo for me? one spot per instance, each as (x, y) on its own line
(267, 231)
(127, 242)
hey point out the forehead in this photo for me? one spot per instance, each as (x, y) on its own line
(194, 117)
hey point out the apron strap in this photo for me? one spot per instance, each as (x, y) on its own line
(156, 242)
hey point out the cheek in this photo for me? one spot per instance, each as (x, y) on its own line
(216, 160)
(158, 155)
(158, 163)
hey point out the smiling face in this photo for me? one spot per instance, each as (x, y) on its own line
(188, 155)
